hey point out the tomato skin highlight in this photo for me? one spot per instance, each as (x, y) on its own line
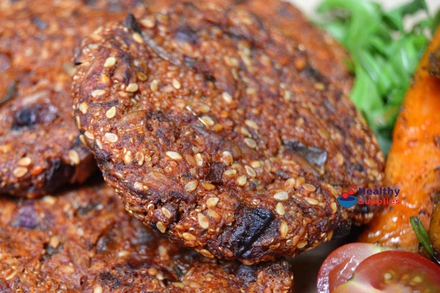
(340, 265)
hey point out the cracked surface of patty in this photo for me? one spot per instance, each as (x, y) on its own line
(83, 240)
(215, 128)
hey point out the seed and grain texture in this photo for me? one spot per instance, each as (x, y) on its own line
(214, 128)
(84, 241)
(39, 145)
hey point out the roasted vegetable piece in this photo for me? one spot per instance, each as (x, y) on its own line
(413, 161)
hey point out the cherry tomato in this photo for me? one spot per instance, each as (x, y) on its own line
(339, 266)
(366, 268)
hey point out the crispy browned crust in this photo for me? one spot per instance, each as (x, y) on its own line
(84, 241)
(217, 130)
(39, 146)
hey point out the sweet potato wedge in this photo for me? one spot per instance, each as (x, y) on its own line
(413, 164)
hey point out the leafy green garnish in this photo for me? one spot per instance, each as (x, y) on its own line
(384, 55)
(422, 235)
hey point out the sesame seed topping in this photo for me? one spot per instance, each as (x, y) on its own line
(256, 164)
(280, 209)
(199, 159)
(148, 22)
(203, 220)
(207, 120)
(250, 143)
(80, 232)
(230, 172)
(20, 171)
(174, 155)
(250, 171)
(24, 162)
(301, 244)
(311, 201)
(205, 253)
(97, 93)
(83, 107)
(111, 137)
(138, 38)
(166, 212)
(132, 87)
(142, 76)
(251, 124)
(212, 202)
(176, 84)
(54, 241)
(154, 85)
(111, 112)
(287, 95)
(309, 187)
(161, 227)
(227, 97)
(191, 185)
(128, 157)
(245, 131)
(208, 186)
(138, 186)
(74, 157)
(188, 236)
(282, 195)
(242, 180)
(284, 229)
(109, 62)
(334, 207)
(97, 289)
(140, 158)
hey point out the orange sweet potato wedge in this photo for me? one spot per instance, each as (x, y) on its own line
(413, 164)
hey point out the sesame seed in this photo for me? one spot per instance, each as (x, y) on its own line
(227, 158)
(140, 158)
(161, 227)
(213, 214)
(203, 108)
(205, 253)
(138, 38)
(111, 112)
(188, 236)
(54, 241)
(199, 160)
(230, 172)
(163, 251)
(138, 186)
(128, 157)
(111, 137)
(74, 157)
(176, 84)
(132, 87)
(89, 135)
(174, 155)
(123, 253)
(148, 22)
(251, 124)
(24, 162)
(11, 275)
(20, 171)
(250, 171)
(207, 120)
(166, 212)
(245, 131)
(282, 195)
(227, 97)
(250, 143)
(334, 207)
(290, 183)
(302, 244)
(309, 187)
(203, 220)
(152, 271)
(97, 93)
(208, 186)
(191, 186)
(212, 202)
(154, 85)
(97, 289)
(142, 76)
(287, 95)
(280, 209)
(311, 201)
(80, 232)
(284, 229)
(109, 62)
(256, 164)
(83, 107)
(241, 180)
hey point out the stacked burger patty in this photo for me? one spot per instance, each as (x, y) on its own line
(223, 126)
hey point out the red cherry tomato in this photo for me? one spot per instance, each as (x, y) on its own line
(367, 268)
